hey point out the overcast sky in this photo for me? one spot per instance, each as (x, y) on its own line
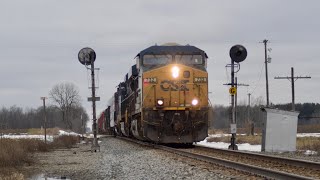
(40, 40)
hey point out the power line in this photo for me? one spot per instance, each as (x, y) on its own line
(256, 84)
(292, 79)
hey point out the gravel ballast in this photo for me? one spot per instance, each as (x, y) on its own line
(119, 159)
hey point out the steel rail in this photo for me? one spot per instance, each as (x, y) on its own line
(267, 173)
(294, 162)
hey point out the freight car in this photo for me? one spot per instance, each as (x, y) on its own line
(106, 119)
(164, 96)
(102, 123)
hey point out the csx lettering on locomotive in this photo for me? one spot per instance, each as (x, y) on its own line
(172, 85)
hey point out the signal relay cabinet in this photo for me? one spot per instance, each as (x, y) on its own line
(279, 130)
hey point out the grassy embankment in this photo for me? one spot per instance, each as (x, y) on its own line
(303, 143)
(15, 152)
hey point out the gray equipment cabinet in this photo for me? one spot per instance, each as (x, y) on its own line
(279, 130)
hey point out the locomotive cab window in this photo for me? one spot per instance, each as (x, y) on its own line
(189, 59)
(156, 59)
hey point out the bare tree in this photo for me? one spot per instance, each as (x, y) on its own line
(79, 118)
(66, 96)
(220, 117)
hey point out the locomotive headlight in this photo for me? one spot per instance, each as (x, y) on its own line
(194, 102)
(160, 102)
(175, 71)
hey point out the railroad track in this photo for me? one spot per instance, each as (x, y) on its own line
(256, 164)
(294, 167)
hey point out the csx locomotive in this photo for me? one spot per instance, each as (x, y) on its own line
(164, 97)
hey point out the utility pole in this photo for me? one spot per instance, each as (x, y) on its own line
(292, 79)
(45, 118)
(265, 41)
(250, 121)
(82, 126)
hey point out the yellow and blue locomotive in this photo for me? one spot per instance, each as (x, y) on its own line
(164, 97)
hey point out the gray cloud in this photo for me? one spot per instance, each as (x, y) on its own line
(40, 41)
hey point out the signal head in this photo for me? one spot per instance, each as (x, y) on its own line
(238, 53)
(86, 56)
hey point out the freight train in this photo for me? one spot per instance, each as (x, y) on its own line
(163, 98)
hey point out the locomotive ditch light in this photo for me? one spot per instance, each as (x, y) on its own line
(195, 102)
(175, 71)
(160, 102)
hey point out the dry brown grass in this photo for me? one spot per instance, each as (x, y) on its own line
(312, 128)
(33, 145)
(239, 130)
(309, 143)
(254, 140)
(37, 131)
(10, 174)
(15, 152)
(219, 139)
(65, 141)
(216, 131)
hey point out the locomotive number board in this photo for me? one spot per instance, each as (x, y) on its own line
(150, 80)
(200, 80)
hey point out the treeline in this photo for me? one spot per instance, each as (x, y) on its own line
(309, 114)
(66, 112)
(17, 118)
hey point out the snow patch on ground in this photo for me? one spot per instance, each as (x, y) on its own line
(90, 136)
(61, 132)
(246, 146)
(308, 135)
(24, 136)
(224, 135)
(40, 137)
(223, 145)
(308, 152)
